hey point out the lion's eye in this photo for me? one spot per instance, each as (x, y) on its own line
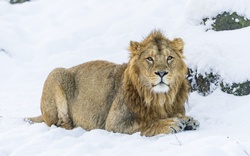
(150, 59)
(170, 58)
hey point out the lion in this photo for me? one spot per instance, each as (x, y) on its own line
(145, 95)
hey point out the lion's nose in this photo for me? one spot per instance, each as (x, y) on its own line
(161, 73)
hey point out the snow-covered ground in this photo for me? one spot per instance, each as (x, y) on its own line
(40, 35)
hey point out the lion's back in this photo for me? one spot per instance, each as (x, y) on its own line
(96, 83)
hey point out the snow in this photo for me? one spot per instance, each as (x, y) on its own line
(40, 35)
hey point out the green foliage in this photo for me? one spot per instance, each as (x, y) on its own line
(205, 84)
(228, 21)
(238, 89)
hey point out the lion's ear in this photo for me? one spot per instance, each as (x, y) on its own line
(134, 48)
(177, 44)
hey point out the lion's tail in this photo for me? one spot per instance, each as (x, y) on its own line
(37, 119)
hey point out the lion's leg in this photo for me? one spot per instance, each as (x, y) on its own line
(62, 109)
(48, 108)
(163, 126)
(58, 88)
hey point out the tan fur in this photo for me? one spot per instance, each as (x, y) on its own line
(125, 98)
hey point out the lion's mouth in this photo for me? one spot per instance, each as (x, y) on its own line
(160, 84)
(160, 87)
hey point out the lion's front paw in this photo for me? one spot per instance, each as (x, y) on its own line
(191, 123)
(164, 126)
(177, 125)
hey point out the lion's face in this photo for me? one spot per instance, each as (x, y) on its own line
(160, 63)
(159, 66)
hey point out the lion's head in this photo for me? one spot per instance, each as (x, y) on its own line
(154, 80)
(158, 62)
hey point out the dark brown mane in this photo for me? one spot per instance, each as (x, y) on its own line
(144, 103)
